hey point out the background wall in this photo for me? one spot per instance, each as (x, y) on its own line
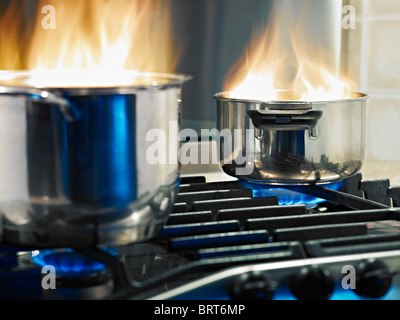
(374, 57)
(213, 36)
(370, 53)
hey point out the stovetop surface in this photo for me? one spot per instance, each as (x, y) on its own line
(225, 229)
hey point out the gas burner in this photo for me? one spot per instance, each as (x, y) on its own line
(289, 195)
(77, 276)
(219, 235)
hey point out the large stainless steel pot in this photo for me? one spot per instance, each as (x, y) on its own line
(289, 141)
(73, 161)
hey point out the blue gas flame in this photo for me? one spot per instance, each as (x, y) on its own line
(69, 263)
(287, 195)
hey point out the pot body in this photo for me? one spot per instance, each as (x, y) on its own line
(79, 174)
(291, 142)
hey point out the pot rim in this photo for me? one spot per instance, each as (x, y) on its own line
(156, 81)
(358, 96)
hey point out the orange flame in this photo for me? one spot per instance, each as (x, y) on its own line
(11, 37)
(281, 63)
(96, 35)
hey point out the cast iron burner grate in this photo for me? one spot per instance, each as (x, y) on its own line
(216, 225)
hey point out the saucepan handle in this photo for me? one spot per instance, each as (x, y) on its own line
(285, 121)
(38, 95)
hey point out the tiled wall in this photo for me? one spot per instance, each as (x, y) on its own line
(374, 58)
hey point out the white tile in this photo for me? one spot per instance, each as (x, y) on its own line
(384, 7)
(384, 55)
(383, 129)
(359, 5)
(353, 55)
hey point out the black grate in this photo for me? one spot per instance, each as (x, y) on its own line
(220, 224)
(223, 215)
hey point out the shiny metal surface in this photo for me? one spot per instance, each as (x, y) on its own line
(85, 181)
(287, 145)
(214, 286)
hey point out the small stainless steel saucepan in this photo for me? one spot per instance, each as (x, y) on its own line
(290, 141)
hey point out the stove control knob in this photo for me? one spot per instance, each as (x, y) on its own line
(312, 283)
(251, 286)
(373, 279)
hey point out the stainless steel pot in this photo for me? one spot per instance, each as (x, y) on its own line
(290, 141)
(74, 168)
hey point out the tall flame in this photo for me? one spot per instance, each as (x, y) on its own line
(96, 35)
(11, 36)
(281, 63)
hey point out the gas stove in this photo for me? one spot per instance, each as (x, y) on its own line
(234, 240)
